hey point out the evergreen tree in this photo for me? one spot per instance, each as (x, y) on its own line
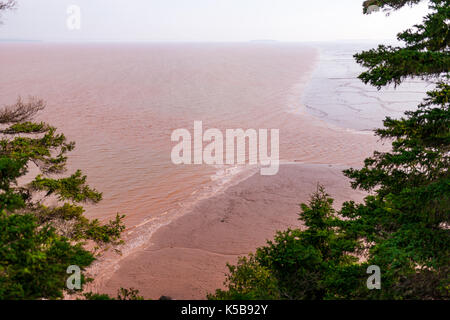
(405, 224)
(38, 243)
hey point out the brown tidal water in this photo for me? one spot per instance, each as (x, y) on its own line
(120, 104)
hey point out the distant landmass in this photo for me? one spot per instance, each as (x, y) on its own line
(19, 40)
(264, 40)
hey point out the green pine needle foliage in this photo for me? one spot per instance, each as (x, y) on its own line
(38, 243)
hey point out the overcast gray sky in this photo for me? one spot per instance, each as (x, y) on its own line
(205, 20)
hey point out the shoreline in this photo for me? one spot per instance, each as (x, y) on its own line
(103, 269)
(187, 257)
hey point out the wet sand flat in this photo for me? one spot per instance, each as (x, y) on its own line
(187, 258)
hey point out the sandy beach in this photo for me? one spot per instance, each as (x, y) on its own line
(187, 258)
